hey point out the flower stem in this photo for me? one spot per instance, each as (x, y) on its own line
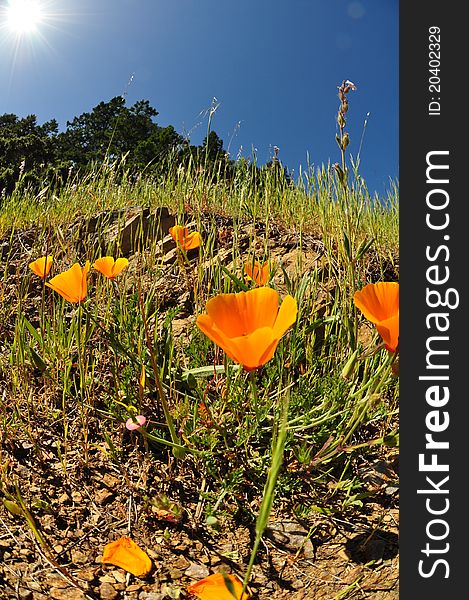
(177, 451)
(278, 446)
(82, 372)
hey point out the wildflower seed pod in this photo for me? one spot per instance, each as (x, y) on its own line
(340, 173)
(13, 508)
(345, 141)
(212, 521)
(350, 365)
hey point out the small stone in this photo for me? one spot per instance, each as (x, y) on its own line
(175, 573)
(197, 571)
(64, 498)
(79, 557)
(170, 592)
(103, 496)
(297, 584)
(181, 563)
(107, 591)
(56, 582)
(292, 536)
(110, 480)
(119, 576)
(68, 593)
(86, 574)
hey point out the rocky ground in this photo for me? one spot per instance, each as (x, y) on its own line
(79, 507)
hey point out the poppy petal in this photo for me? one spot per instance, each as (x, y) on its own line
(110, 267)
(206, 325)
(71, 284)
(184, 239)
(223, 312)
(259, 307)
(389, 332)
(125, 553)
(378, 301)
(286, 316)
(104, 265)
(192, 241)
(218, 586)
(258, 273)
(178, 233)
(249, 350)
(265, 273)
(119, 266)
(41, 266)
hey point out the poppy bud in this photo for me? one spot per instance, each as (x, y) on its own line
(349, 368)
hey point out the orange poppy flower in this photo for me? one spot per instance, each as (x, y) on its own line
(218, 586)
(258, 273)
(71, 284)
(379, 303)
(41, 266)
(184, 239)
(125, 553)
(109, 267)
(248, 325)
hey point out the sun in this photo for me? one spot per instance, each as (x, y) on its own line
(23, 16)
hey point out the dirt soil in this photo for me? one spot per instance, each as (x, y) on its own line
(78, 507)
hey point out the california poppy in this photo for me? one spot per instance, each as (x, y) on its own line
(71, 284)
(248, 325)
(41, 266)
(218, 586)
(184, 239)
(379, 303)
(125, 553)
(258, 273)
(109, 267)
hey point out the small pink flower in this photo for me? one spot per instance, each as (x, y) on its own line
(135, 423)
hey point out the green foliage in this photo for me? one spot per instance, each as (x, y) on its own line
(112, 131)
(27, 150)
(34, 156)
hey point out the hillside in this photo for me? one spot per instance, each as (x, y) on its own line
(188, 486)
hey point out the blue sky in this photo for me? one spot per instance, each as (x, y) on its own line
(273, 66)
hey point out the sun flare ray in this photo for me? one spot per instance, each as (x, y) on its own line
(23, 16)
